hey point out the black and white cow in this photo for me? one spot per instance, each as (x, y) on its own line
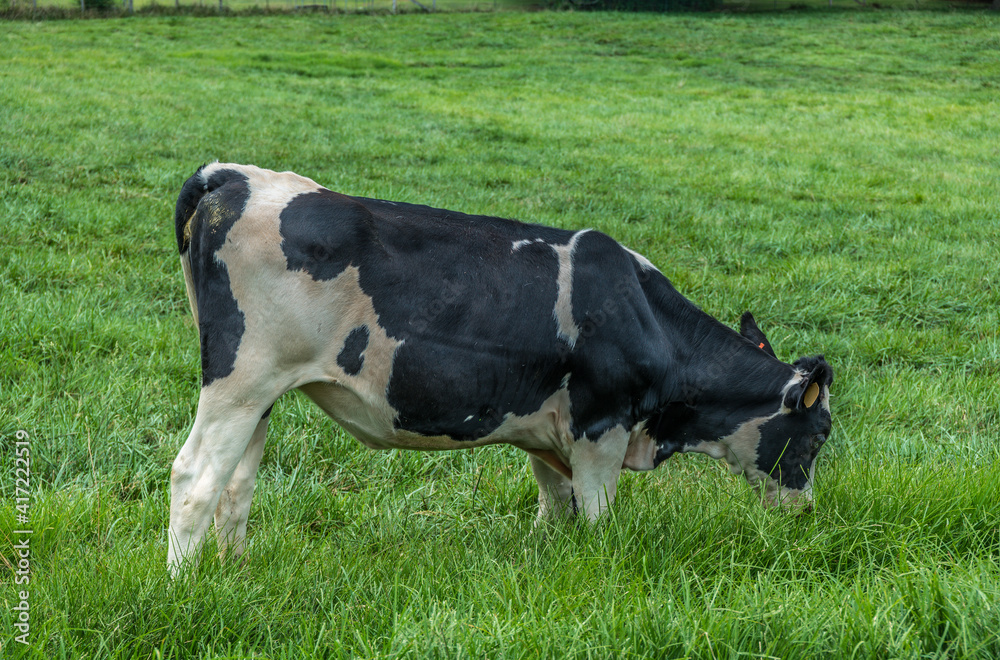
(422, 328)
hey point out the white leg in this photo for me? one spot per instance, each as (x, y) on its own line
(206, 463)
(596, 466)
(555, 492)
(234, 501)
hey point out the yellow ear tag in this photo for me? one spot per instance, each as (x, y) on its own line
(812, 393)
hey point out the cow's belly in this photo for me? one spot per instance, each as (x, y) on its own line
(372, 423)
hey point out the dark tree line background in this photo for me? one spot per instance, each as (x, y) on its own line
(711, 5)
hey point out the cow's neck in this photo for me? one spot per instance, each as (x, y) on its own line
(714, 377)
(711, 363)
(725, 367)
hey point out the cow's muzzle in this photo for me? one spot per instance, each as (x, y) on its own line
(792, 499)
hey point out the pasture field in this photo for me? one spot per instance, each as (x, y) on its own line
(834, 172)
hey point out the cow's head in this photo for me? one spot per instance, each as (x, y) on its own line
(766, 420)
(788, 440)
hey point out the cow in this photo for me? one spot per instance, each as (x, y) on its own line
(420, 328)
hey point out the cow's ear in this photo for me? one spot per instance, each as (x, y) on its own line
(805, 393)
(749, 329)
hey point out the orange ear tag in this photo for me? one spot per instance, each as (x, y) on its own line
(812, 393)
(761, 345)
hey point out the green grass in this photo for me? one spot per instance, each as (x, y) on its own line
(834, 172)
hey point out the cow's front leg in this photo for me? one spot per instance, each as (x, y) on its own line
(596, 466)
(234, 502)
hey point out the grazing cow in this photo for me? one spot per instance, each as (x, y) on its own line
(422, 328)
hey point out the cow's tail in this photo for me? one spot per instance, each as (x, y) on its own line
(207, 179)
(191, 193)
(193, 190)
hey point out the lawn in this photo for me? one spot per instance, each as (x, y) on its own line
(834, 172)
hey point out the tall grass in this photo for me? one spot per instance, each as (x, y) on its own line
(833, 172)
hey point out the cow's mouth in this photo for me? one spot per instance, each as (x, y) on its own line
(796, 500)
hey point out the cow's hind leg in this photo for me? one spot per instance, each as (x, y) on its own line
(555, 491)
(234, 502)
(223, 432)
